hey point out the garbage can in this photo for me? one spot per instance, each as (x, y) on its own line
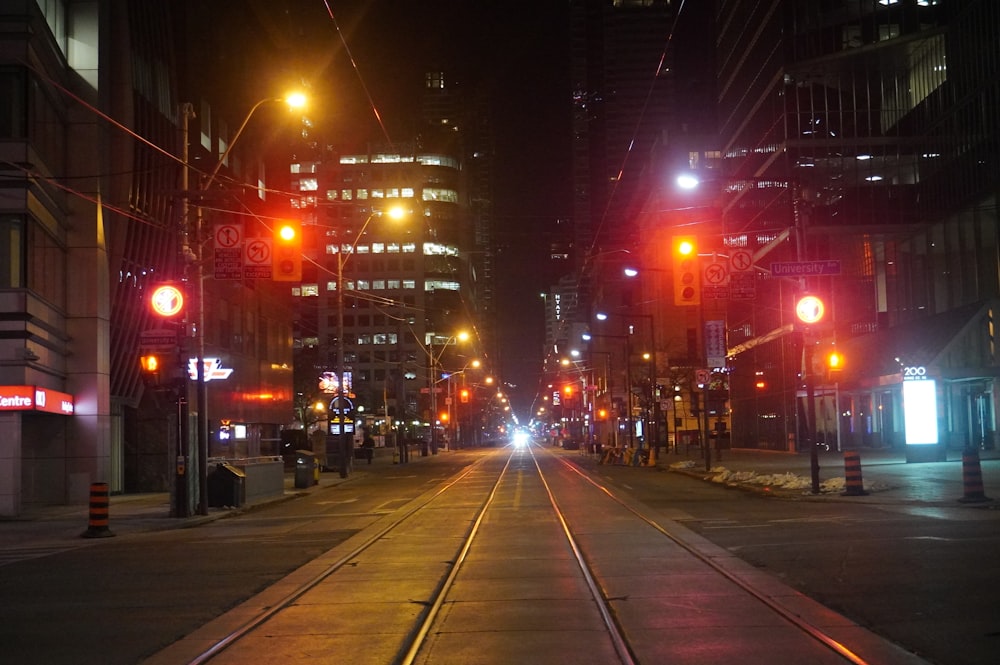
(305, 469)
(226, 487)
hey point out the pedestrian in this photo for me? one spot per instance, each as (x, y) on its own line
(368, 445)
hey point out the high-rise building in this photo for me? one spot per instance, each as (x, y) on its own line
(406, 282)
(856, 138)
(99, 206)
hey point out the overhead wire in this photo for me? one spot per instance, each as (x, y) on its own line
(588, 260)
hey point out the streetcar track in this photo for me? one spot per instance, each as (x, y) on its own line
(813, 631)
(256, 621)
(417, 637)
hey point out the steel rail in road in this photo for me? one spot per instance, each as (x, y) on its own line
(464, 521)
(789, 615)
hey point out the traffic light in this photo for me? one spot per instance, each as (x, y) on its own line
(602, 414)
(834, 365)
(150, 363)
(687, 277)
(463, 395)
(810, 309)
(287, 252)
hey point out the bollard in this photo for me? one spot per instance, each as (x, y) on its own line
(97, 522)
(972, 478)
(852, 474)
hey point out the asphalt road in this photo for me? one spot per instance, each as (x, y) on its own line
(924, 576)
(118, 600)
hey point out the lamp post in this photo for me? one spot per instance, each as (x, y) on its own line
(346, 434)
(454, 414)
(652, 410)
(628, 380)
(194, 252)
(432, 382)
(792, 230)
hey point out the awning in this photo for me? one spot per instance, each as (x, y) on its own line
(956, 345)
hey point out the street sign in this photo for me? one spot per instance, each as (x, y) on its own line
(715, 343)
(715, 281)
(743, 285)
(740, 261)
(257, 259)
(227, 236)
(228, 263)
(805, 268)
(161, 339)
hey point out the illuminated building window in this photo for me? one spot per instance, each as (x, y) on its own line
(441, 285)
(440, 194)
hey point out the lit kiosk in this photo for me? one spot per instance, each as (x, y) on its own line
(920, 416)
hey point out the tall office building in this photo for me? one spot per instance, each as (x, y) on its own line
(94, 213)
(857, 139)
(406, 282)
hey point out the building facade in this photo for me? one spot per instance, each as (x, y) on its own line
(407, 286)
(96, 208)
(856, 141)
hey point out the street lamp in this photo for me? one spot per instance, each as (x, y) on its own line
(196, 258)
(454, 412)
(651, 423)
(628, 379)
(433, 361)
(346, 434)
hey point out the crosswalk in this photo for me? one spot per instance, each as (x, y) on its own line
(15, 555)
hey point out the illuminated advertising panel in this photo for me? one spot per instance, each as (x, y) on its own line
(919, 407)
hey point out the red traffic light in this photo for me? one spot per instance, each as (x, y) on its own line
(287, 252)
(810, 309)
(463, 396)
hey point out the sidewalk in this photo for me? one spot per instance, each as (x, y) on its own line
(55, 527)
(887, 477)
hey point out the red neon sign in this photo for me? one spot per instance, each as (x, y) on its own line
(33, 398)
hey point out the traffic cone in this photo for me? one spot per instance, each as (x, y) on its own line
(853, 486)
(97, 521)
(972, 478)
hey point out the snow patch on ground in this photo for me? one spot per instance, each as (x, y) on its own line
(774, 481)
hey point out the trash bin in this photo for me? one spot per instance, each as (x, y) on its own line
(226, 486)
(305, 469)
